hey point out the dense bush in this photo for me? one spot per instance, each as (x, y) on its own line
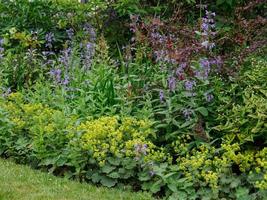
(109, 149)
(25, 23)
(245, 120)
(173, 104)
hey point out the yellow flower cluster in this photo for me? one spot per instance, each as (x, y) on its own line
(204, 163)
(211, 178)
(15, 96)
(19, 123)
(261, 167)
(35, 117)
(181, 145)
(198, 165)
(107, 136)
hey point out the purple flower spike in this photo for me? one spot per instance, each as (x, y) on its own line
(56, 74)
(140, 149)
(65, 81)
(1, 48)
(6, 92)
(207, 27)
(161, 96)
(187, 113)
(88, 28)
(88, 54)
(172, 83)
(70, 33)
(64, 59)
(189, 85)
(49, 38)
(209, 97)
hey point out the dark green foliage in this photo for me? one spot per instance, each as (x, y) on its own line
(166, 97)
(30, 21)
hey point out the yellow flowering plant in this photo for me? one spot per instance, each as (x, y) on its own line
(108, 150)
(122, 148)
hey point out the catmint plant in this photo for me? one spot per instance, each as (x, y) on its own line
(187, 113)
(65, 81)
(209, 97)
(6, 92)
(161, 96)
(56, 75)
(140, 150)
(89, 29)
(1, 48)
(64, 58)
(88, 55)
(48, 53)
(70, 33)
(189, 85)
(207, 30)
(49, 38)
(172, 83)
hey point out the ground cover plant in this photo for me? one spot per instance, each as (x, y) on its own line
(163, 97)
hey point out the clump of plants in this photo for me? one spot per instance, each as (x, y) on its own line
(177, 111)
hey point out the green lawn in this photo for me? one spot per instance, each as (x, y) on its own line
(22, 183)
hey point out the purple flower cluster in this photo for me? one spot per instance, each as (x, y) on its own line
(158, 39)
(61, 76)
(88, 55)
(6, 92)
(65, 57)
(140, 149)
(89, 29)
(133, 24)
(217, 62)
(187, 113)
(209, 97)
(180, 71)
(163, 52)
(57, 76)
(89, 47)
(1, 48)
(70, 33)
(172, 83)
(161, 96)
(49, 38)
(207, 28)
(177, 74)
(189, 85)
(205, 66)
(204, 69)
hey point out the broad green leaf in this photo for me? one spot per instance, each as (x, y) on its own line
(108, 182)
(114, 175)
(107, 169)
(203, 111)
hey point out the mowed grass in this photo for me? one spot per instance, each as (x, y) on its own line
(19, 182)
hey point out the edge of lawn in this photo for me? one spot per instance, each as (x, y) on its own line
(22, 182)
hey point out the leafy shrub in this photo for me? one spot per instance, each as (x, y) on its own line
(245, 120)
(207, 172)
(25, 23)
(118, 145)
(174, 115)
(108, 150)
